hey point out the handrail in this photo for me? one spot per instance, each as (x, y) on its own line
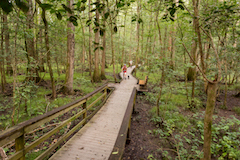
(17, 132)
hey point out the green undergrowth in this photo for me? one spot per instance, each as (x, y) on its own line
(33, 100)
(180, 125)
(186, 135)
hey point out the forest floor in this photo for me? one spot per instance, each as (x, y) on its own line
(144, 145)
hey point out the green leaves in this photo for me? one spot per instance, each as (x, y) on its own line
(23, 6)
(6, 6)
(120, 4)
(67, 9)
(102, 31)
(88, 22)
(73, 19)
(106, 15)
(46, 6)
(59, 15)
(181, 7)
(115, 29)
(172, 11)
(136, 18)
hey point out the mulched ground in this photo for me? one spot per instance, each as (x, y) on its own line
(143, 144)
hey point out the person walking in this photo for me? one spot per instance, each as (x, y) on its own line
(124, 70)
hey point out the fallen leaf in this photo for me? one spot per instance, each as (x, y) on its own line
(115, 152)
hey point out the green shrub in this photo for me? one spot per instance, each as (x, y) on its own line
(237, 110)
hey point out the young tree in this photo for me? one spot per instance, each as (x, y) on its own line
(54, 94)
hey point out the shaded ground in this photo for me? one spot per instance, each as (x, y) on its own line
(143, 144)
(232, 102)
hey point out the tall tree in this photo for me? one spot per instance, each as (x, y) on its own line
(32, 69)
(96, 75)
(54, 95)
(138, 33)
(7, 44)
(90, 41)
(104, 46)
(2, 61)
(68, 86)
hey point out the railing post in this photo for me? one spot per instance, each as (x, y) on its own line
(105, 91)
(85, 114)
(19, 145)
(134, 101)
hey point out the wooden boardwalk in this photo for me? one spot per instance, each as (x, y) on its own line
(95, 141)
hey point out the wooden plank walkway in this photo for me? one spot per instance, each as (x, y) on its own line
(96, 139)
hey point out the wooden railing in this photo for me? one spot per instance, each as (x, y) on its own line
(17, 132)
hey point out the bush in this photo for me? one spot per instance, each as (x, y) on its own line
(237, 110)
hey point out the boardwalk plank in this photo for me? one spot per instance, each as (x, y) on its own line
(96, 139)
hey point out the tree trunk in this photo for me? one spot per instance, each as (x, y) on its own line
(197, 28)
(124, 36)
(226, 86)
(14, 62)
(84, 46)
(90, 42)
(96, 75)
(3, 77)
(112, 47)
(191, 76)
(162, 54)
(103, 76)
(7, 45)
(211, 98)
(137, 35)
(54, 95)
(32, 69)
(41, 59)
(68, 88)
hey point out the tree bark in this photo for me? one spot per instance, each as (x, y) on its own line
(41, 59)
(90, 43)
(162, 54)
(211, 99)
(103, 76)
(7, 45)
(3, 77)
(32, 69)
(197, 28)
(124, 36)
(54, 94)
(96, 75)
(14, 62)
(137, 35)
(68, 88)
(113, 55)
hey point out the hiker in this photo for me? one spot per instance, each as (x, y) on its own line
(124, 70)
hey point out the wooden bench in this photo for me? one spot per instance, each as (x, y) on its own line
(143, 83)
